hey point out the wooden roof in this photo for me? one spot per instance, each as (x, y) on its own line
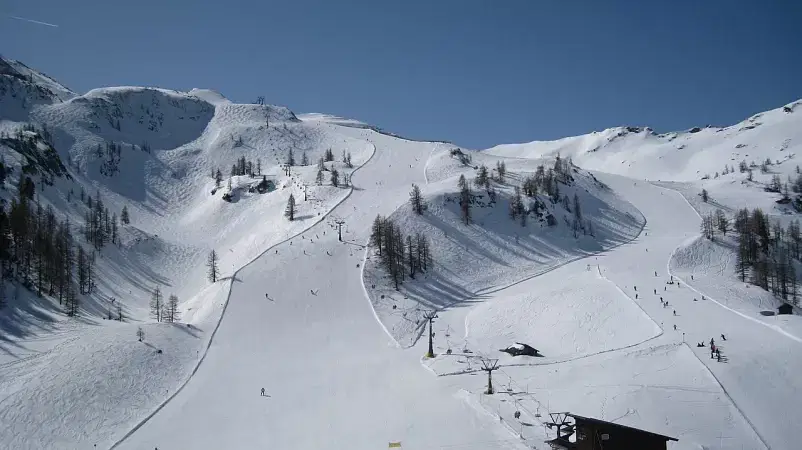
(615, 425)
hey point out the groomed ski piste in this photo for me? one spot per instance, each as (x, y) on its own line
(311, 316)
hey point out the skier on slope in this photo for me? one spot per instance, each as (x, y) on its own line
(263, 392)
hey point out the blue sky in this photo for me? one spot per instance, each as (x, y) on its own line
(475, 72)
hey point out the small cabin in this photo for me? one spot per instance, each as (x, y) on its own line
(595, 434)
(785, 308)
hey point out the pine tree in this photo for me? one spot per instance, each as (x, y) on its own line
(156, 304)
(124, 218)
(290, 158)
(211, 263)
(258, 167)
(171, 313)
(329, 155)
(304, 159)
(319, 177)
(289, 211)
(218, 178)
(416, 199)
(335, 177)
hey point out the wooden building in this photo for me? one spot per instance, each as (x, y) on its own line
(595, 434)
(785, 308)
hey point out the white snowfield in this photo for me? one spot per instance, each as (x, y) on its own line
(309, 317)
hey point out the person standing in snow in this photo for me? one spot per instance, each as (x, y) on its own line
(675, 312)
(263, 392)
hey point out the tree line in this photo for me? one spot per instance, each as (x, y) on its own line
(41, 252)
(766, 252)
(400, 255)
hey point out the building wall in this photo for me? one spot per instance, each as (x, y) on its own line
(619, 439)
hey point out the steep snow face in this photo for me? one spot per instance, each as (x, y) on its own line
(493, 251)
(22, 89)
(679, 156)
(161, 118)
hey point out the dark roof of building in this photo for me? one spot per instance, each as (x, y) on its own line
(603, 422)
(785, 306)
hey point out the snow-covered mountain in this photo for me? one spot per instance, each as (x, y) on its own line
(304, 326)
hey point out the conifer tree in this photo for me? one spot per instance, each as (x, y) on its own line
(289, 211)
(156, 304)
(213, 271)
(416, 200)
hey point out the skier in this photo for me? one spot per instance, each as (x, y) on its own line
(718, 357)
(664, 288)
(723, 338)
(675, 327)
(661, 299)
(636, 296)
(636, 288)
(655, 273)
(263, 392)
(691, 277)
(675, 312)
(655, 292)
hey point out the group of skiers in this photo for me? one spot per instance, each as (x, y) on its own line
(715, 352)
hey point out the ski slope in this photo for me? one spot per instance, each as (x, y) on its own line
(314, 321)
(333, 377)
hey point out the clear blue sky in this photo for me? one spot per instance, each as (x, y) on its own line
(475, 72)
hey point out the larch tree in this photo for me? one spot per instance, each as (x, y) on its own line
(156, 304)
(213, 271)
(304, 159)
(290, 158)
(482, 177)
(501, 171)
(319, 177)
(171, 313)
(335, 177)
(416, 200)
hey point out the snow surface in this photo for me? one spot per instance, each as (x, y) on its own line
(299, 312)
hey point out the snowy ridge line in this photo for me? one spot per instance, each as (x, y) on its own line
(745, 316)
(723, 389)
(225, 307)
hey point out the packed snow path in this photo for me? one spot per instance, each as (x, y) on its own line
(333, 378)
(761, 366)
